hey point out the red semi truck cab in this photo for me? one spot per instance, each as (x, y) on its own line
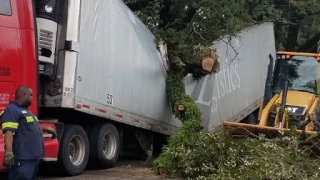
(19, 61)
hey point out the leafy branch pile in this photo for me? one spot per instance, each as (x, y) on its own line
(217, 155)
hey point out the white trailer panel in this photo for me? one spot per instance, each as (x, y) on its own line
(120, 73)
(236, 90)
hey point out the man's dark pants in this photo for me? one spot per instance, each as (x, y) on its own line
(24, 170)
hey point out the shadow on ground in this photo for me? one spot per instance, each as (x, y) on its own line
(127, 168)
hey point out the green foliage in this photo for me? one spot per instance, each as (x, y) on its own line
(171, 158)
(192, 111)
(217, 155)
(196, 24)
(177, 96)
(175, 87)
(186, 24)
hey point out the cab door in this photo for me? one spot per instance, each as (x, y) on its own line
(9, 55)
(18, 61)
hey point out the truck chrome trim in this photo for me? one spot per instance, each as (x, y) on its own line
(71, 56)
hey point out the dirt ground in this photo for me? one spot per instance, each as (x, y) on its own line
(126, 169)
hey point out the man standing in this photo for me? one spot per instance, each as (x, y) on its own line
(23, 137)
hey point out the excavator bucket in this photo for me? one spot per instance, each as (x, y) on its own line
(242, 129)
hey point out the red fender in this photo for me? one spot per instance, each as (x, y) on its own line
(51, 145)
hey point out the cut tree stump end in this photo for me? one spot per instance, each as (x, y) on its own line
(181, 107)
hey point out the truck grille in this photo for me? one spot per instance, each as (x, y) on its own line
(45, 40)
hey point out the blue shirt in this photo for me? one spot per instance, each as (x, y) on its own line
(28, 138)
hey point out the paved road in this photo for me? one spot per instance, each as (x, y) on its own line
(126, 169)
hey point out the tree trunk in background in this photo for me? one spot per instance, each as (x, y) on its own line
(312, 45)
(293, 37)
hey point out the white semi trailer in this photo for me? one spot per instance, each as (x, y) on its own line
(102, 80)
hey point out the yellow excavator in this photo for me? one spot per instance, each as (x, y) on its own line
(291, 98)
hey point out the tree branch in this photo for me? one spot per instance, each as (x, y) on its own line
(194, 30)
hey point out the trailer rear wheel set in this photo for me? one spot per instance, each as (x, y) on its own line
(104, 146)
(100, 147)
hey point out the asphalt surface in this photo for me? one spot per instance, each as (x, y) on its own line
(125, 169)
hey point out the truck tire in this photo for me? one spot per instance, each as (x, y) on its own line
(104, 146)
(74, 150)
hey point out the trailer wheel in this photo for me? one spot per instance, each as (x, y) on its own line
(74, 150)
(105, 146)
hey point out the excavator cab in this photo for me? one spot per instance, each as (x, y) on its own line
(291, 97)
(300, 70)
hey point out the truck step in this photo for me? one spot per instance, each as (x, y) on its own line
(49, 159)
(47, 135)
